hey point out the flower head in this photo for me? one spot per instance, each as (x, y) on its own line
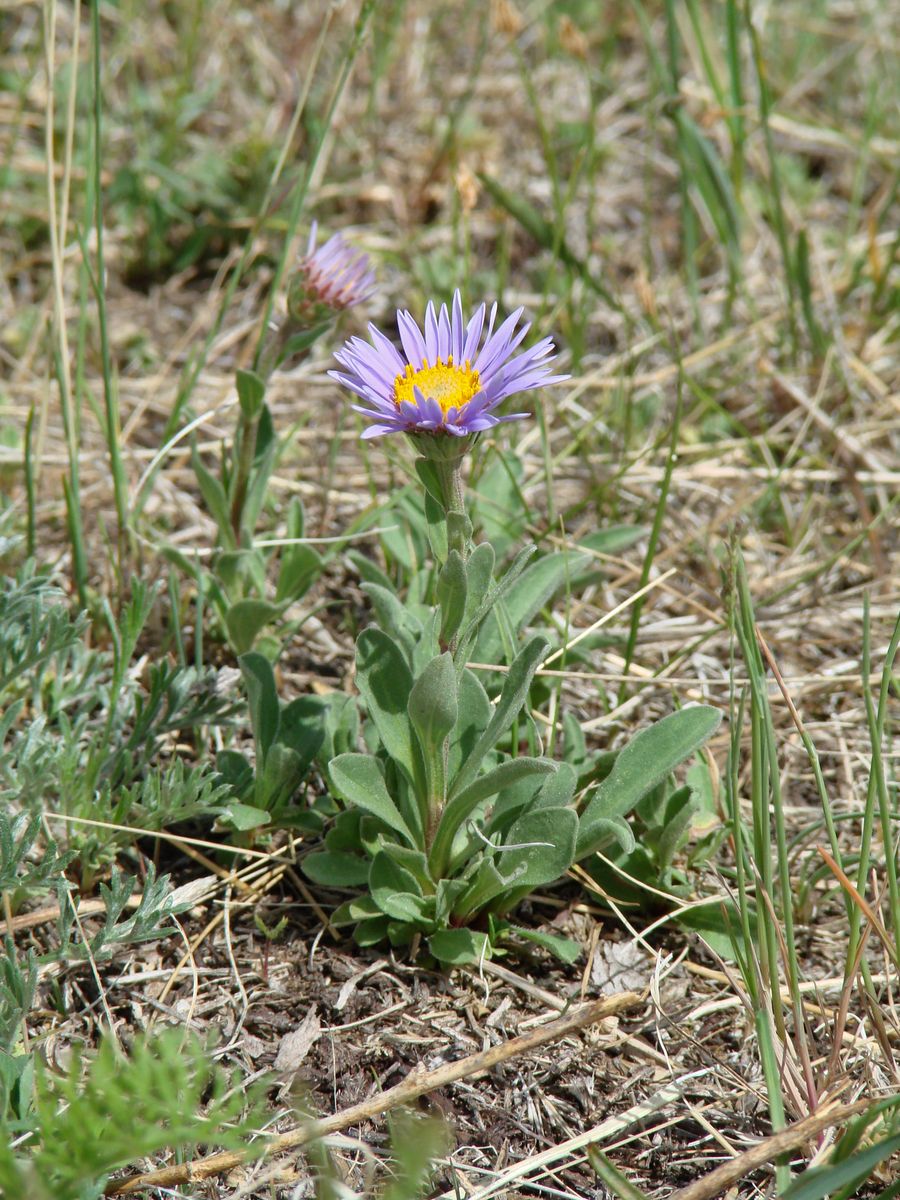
(447, 380)
(334, 277)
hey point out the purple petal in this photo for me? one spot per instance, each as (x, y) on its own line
(411, 337)
(431, 333)
(444, 334)
(375, 431)
(387, 351)
(473, 334)
(456, 330)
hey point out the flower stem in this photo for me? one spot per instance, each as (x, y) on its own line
(459, 528)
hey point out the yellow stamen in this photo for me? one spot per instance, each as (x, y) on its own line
(450, 385)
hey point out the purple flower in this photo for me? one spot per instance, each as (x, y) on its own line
(443, 383)
(334, 277)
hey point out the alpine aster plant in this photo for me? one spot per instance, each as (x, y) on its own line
(448, 380)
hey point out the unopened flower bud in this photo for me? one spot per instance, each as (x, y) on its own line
(328, 280)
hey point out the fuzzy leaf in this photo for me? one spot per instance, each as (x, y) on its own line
(334, 869)
(393, 616)
(459, 947)
(214, 498)
(564, 948)
(243, 817)
(465, 803)
(540, 864)
(246, 619)
(262, 696)
(452, 587)
(475, 712)
(300, 568)
(386, 876)
(643, 763)
(433, 708)
(251, 392)
(436, 521)
(512, 698)
(385, 683)
(358, 780)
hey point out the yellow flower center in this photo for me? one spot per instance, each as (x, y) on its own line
(450, 385)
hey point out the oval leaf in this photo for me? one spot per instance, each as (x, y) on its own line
(333, 869)
(642, 764)
(432, 703)
(358, 781)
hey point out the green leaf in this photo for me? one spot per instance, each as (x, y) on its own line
(459, 947)
(537, 584)
(372, 931)
(480, 576)
(300, 568)
(436, 528)
(612, 829)
(542, 847)
(512, 698)
(452, 587)
(214, 498)
(278, 779)
(262, 696)
(235, 771)
(818, 1182)
(645, 762)
(615, 1181)
(553, 791)
(431, 480)
(416, 863)
(494, 595)
(334, 869)
(475, 712)
(536, 864)
(266, 455)
(409, 908)
(564, 948)
(447, 893)
(251, 392)
(357, 908)
(385, 682)
(394, 617)
(612, 539)
(358, 780)
(465, 803)
(246, 619)
(303, 728)
(301, 341)
(397, 893)
(386, 876)
(675, 833)
(433, 707)
(243, 817)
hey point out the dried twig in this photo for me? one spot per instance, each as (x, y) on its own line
(417, 1083)
(767, 1151)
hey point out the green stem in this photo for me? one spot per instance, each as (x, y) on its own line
(459, 528)
(245, 450)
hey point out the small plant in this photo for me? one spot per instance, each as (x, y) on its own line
(327, 281)
(97, 721)
(82, 1127)
(416, 1142)
(445, 822)
(286, 739)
